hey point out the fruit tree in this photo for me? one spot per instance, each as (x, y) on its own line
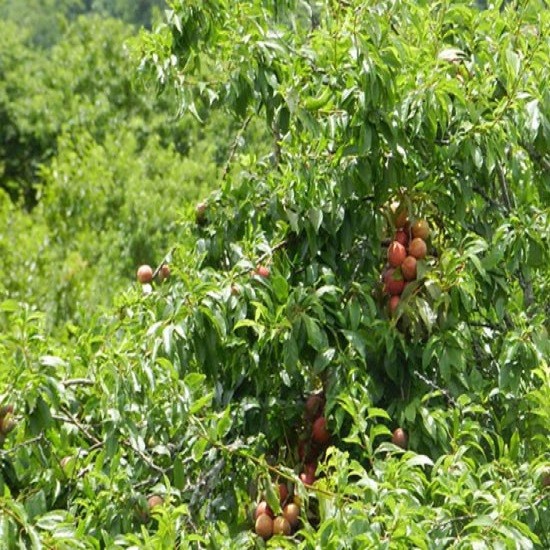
(414, 133)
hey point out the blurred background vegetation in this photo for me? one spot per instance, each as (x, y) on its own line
(95, 170)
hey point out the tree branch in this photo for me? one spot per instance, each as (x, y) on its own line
(536, 157)
(506, 194)
(487, 198)
(234, 146)
(78, 382)
(524, 280)
(70, 419)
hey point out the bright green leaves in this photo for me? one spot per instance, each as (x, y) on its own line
(197, 390)
(315, 335)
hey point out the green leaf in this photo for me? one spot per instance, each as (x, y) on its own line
(194, 380)
(374, 412)
(419, 460)
(200, 403)
(426, 313)
(199, 448)
(280, 287)
(224, 423)
(179, 471)
(315, 336)
(316, 218)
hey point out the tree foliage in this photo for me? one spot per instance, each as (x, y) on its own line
(195, 391)
(103, 170)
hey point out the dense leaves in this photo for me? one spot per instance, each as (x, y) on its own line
(195, 390)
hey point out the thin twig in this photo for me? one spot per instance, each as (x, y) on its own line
(78, 382)
(70, 419)
(147, 459)
(234, 146)
(536, 157)
(434, 386)
(506, 194)
(524, 281)
(276, 144)
(15, 448)
(258, 462)
(487, 198)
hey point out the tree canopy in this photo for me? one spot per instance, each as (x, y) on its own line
(273, 353)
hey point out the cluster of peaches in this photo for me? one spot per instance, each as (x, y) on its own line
(145, 276)
(408, 246)
(267, 524)
(311, 445)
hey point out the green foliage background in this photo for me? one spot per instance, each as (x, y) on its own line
(301, 122)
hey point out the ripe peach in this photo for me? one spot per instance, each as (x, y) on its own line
(154, 501)
(264, 526)
(292, 514)
(310, 468)
(6, 409)
(307, 478)
(302, 449)
(418, 248)
(401, 215)
(394, 302)
(145, 274)
(394, 282)
(200, 213)
(420, 229)
(7, 424)
(263, 508)
(400, 438)
(262, 271)
(402, 237)
(314, 406)
(281, 526)
(283, 492)
(164, 272)
(408, 268)
(319, 432)
(396, 254)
